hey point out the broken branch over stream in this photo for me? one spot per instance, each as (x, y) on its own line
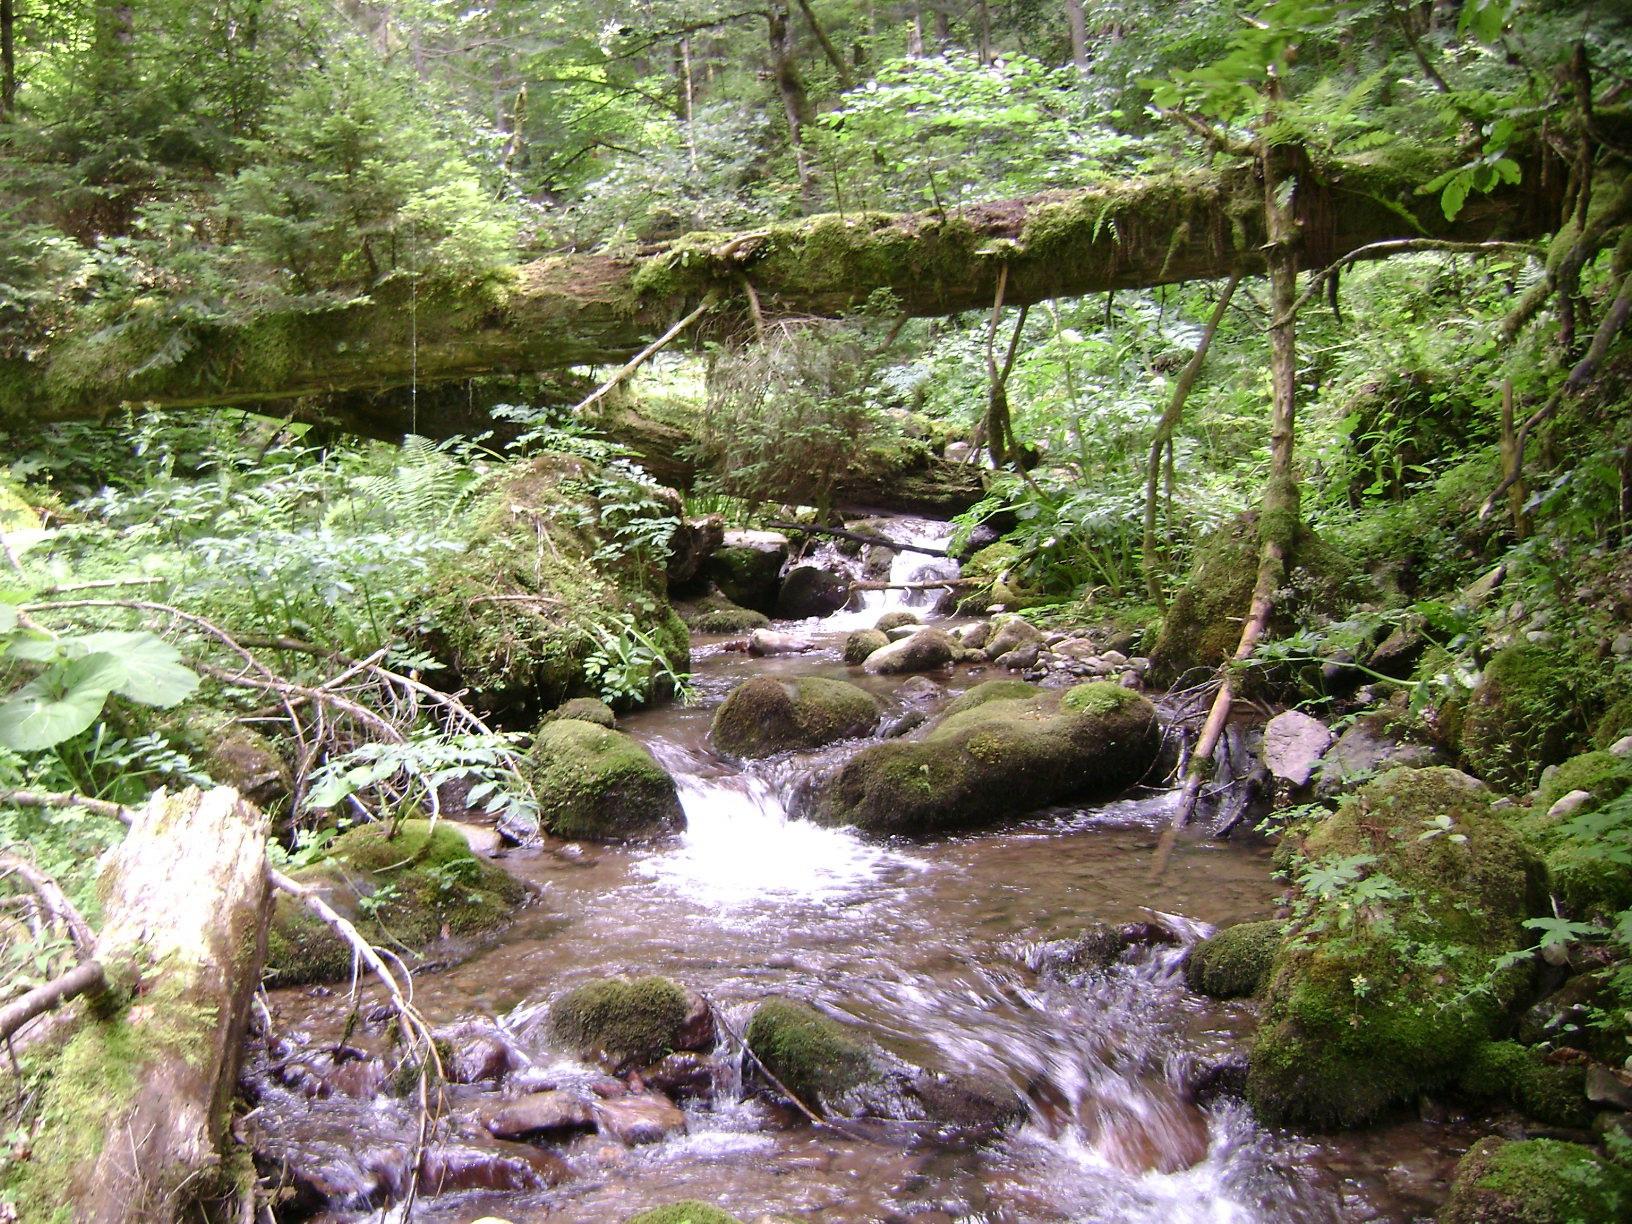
(589, 309)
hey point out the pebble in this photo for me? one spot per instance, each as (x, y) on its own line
(1622, 645)
(1622, 746)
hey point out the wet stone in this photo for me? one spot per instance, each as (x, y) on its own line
(448, 1168)
(540, 1114)
(478, 1053)
(686, 1075)
(639, 1118)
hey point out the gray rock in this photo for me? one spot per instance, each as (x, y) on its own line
(925, 650)
(809, 590)
(770, 642)
(1569, 804)
(692, 544)
(1622, 645)
(1020, 658)
(1366, 749)
(540, 1113)
(1293, 743)
(1606, 1086)
(1011, 632)
(1622, 746)
(975, 636)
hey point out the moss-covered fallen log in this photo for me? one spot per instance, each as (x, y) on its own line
(587, 309)
(133, 1122)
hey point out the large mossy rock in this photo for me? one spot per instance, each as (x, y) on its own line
(517, 613)
(1536, 1181)
(1001, 752)
(1532, 706)
(815, 1058)
(764, 716)
(404, 891)
(1235, 961)
(1202, 627)
(1555, 1093)
(861, 643)
(624, 1020)
(748, 568)
(714, 613)
(1583, 871)
(1389, 978)
(925, 650)
(600, 785)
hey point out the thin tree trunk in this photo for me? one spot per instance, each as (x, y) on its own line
(8, 59)
(1078, 22)
(1513, 464)
(1162, 441)
(915, 33)
(943, 28)
(840, 68)
(688, 97)
(795, 101)
(985, 32)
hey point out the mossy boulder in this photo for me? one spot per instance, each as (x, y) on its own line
(516, 614)
(623, 1020)
(714, 613)
(600, 785)
(404, 891)
(861, 643)
(925, 650)
(991, 690)
(1603, 775)
(584, 709)
(748, 568)
(898, 619)
(690, 1211)
(1555, 1093)
(1614, 723)
(1202, 627)
(996, 758)
(1536, 1181)
(764, 716)
(1532, 706)
(814, 1057)
(1235, 961)
(1583, 872)
(1011, 633)
(1390, 979)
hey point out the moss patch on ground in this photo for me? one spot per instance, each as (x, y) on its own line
(1235, 961)
(995, 755)
(1389, 977)
(403, 891)
(599, 784)
(1533, 705)
(764, 716)
(689, 1211)
(625, 1020)
(715, 613)
(1536, 1181)
(814, 1057)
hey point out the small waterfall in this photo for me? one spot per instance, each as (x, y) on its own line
(905, 567)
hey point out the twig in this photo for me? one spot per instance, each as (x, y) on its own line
(645, 354)
(1403, 246)
(54, 901)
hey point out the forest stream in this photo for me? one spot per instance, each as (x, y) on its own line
(955, 952)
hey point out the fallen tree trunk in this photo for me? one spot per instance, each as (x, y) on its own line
(598, 309)
(134, 1118)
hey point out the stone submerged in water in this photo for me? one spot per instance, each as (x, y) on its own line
(925, 650)
(553, 1113)
(638, 1118)
(600, 785)
(1001, 750)
(624, 1021)
(764, 716)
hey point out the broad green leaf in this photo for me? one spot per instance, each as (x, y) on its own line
(152, 671)
(57, 704)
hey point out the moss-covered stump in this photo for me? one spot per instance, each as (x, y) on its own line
(584, 709)
(815, 1058)
(1532, 706)
(1389, 980)
(600, 785)
(1235, 961)
(625, 1020)
(748, 568)
(1536, 1181)
(689, 1211)
(991, 759)
(1555, 1093)
(714, 613)
(541, 585)
(764, 716)
(404, 891)
(862, 643)
(1202, 627)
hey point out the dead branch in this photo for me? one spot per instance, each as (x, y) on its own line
(642, 357)
(53, 900)
(1406, 246)
(44, 799)
(859, 537)
(83, 978)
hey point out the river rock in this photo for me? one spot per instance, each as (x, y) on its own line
(1002, 749)
(972, 1103)
(861, 643)
(1009, 633)
(478, 1052)
(1367, 749)
(764, 716)
(818, 1059)
(639, 1117)
(694, 541)
(876, 561)
(975, 636)
(584, 709)
(1504, 1182)
(325, 1073)
(747, 566)
(897, 619)
(809, 590)
(600, 785)
(925, 650)
(623, 1021)
(449, 1167)
(540, 1114)
(686, 1075)
(766, 642)
(714, 613)
(1021, 658)
(1293, 743)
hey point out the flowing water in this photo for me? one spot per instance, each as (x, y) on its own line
(949, 951)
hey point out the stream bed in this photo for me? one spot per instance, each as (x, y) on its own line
(946, 950)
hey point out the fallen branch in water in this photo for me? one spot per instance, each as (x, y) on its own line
(860, 538)
(934, 585)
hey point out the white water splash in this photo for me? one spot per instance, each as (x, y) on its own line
(868, 606)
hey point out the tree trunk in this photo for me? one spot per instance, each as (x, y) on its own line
(795, 101)
(1078, 22)
(8, 59)
(840, 68)
(135, 1117)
